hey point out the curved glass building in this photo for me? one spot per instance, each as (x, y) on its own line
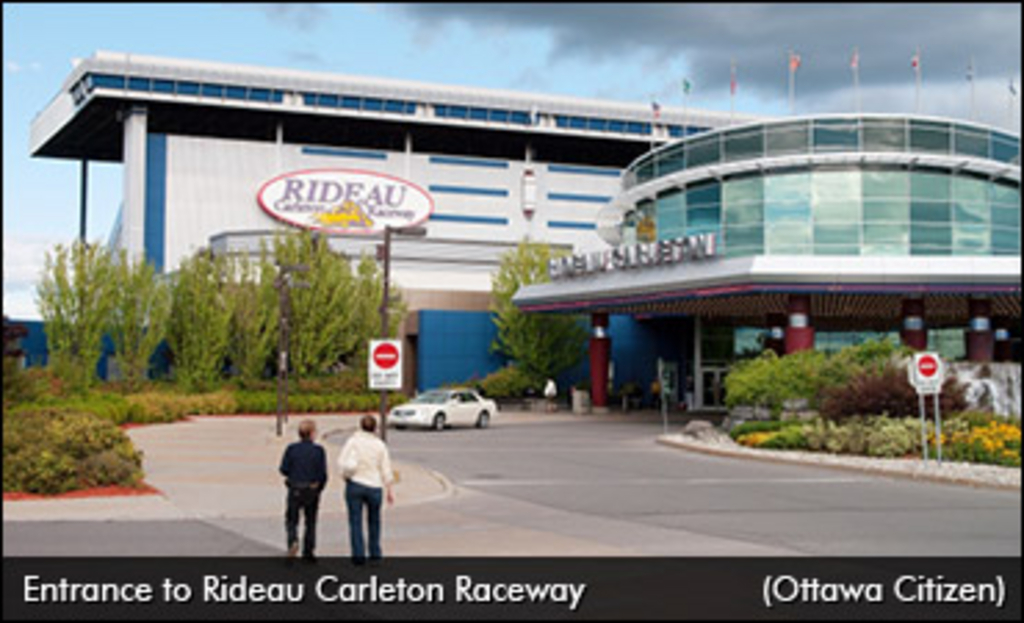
(809, 232)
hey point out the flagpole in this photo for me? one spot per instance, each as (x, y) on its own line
(732, 90)
(970, 74)
(917, 75)
(856, 78)
(686, 107)
(792, 86)
(1012, 121)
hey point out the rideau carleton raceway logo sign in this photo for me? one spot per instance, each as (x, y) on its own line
(345, 201)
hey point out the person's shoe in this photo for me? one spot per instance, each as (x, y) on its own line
(293, 550)
(309, 559)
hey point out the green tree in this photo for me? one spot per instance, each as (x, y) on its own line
(321, 315)
(254, 319)
(369, 294)
(541, 345)
(141, 306)
(75, 303)
(199, 328)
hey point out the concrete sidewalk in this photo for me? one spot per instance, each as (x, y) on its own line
(222, 467)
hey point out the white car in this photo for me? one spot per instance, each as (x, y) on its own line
(439, 408)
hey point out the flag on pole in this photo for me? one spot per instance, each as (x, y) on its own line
(1013, 89)
(732, 78)
(855, 60)
(970, 70)
(915, 61)
(686, 86)
(794, 62)
(656, 109)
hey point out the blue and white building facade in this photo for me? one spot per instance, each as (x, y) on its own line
(198, 140)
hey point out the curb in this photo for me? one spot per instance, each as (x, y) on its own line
(797, 460)
(448, 488)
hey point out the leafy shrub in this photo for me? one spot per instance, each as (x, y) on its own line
(156, 407)
(893, 438)
(509, 382)
(769, 426)
(110, 407)
(886, 393)
(55, 451)
(790, 438)
(979, 419)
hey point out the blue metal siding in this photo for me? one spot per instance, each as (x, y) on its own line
(472, 220)
(570, 225)
(344, 153)
(154, 223)
(454, 347)
(467, 190)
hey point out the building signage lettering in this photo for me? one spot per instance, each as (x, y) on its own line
(345, 201)
(661, 253)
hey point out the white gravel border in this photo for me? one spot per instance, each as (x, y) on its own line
(986, 476)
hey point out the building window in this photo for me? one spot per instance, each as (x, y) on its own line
(929, 137)
(788, 139)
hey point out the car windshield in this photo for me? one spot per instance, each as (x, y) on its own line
(432, 398)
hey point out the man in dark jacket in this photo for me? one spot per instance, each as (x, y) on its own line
(304, 467)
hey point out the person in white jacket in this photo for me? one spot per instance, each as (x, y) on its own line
(365, 464)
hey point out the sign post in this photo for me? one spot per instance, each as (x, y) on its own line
(927, 373)
(385, 363)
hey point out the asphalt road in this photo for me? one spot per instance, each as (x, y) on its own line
(610, 468)
(598, 486)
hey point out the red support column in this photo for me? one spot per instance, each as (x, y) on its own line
(1003, 348)
(600, 355)
(776, 338)
(799, 332)
(914, 333)
(980, 343)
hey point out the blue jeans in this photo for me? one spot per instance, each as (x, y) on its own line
(356, 497)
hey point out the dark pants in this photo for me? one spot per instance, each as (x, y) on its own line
(356, 497)
(308, 501)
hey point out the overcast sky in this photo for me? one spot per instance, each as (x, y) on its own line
(627, 52)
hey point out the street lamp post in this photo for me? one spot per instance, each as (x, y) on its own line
(384, 255)
(283, 283)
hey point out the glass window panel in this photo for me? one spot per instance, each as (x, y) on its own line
(885, 184)
(977, 213)
(746, 190)
(970, 189)
(704, 194)
(791, 138)
(926, 239)
(971, 142)
(930, 212)
(929, 187)
(837, 212)
(1005, 149)
(886, 233)
(672, 160)
(378, 105)
(1006, 241)
(237, 93)
(671, 218)
(1005, 195)
(326, 100)
(893, 210)
(835, 186)
(929, 137)
(837, 240)
(744, 241)
(139, 84)
(500, 116)
(699, 220)
(885, 136)
(788, 188)
(163, 86)
(216, 90)
(835, 135)
(789, 239)
(745, 146)
(645, 171)
(188, 88)
(1005, 217)
(971, 239)
(478, 114)
(617, 126)
(703, 152)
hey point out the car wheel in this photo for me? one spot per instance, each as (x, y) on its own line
(484, 420)
(438, 422)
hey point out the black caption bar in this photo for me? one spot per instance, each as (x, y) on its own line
(513, 588)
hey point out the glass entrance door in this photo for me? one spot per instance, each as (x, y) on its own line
(714, 387)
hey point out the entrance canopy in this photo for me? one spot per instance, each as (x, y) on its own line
(845, 293)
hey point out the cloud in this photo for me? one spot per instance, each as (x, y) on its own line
(306, 58)
(14, 67)
(24, 260)
(707, 36)
(302, 16)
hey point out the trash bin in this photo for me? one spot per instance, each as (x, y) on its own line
(580, 401)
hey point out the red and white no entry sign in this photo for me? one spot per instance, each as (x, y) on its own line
(928, 366)
(385, 355)
(385, 364)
